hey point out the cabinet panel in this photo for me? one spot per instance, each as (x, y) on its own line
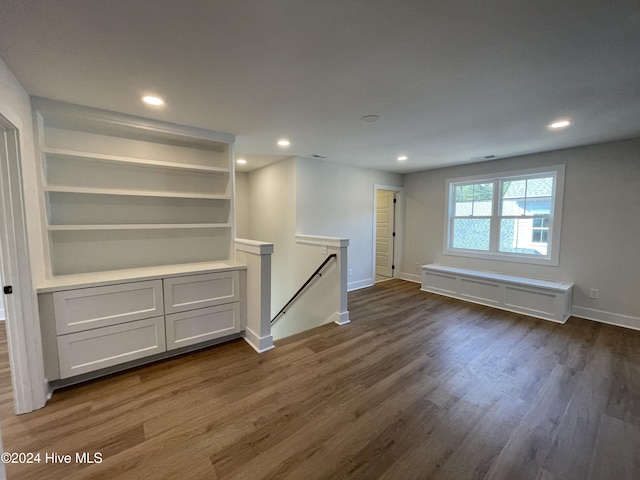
(189, 328)
(530, 301)
(199, 291)
(87, 308)
(85, 352)
(480, 291)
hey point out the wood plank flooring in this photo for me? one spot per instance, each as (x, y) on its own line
(418, 386)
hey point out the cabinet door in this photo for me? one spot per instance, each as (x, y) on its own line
(85, 352)
(198, 291)
(94, 307)
(189, 328)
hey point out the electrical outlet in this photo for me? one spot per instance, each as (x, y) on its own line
(594, 293)
(350, 272)
(323, 249)
(417, 266)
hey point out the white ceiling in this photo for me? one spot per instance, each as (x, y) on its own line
(450, 79)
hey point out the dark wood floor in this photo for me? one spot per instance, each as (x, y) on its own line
(416, 387)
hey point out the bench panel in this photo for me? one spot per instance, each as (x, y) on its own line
(537, 298)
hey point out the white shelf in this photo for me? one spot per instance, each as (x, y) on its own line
(120, 192)
(139, 226)
(132, 161)
(76, 117)
(133, 193)
(83, 280)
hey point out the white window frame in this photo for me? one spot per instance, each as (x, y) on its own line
(555, 217)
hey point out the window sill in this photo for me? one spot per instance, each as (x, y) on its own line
(549, 261)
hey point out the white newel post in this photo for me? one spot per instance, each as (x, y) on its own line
(342, 315)
(257, 257)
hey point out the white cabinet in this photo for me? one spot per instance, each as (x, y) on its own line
(87, 328)
(538, 298)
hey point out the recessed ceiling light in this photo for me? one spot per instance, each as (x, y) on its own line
(559, 124)
(241, 161)
(370, 118)
(402, 158)
(283, 142)
(152, 100)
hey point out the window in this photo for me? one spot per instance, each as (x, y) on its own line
(513, 216)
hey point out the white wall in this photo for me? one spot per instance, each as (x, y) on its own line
(338, 201)
(15, 106)
(311, 197)
(320, 303)
(243, 205)
(600, 234)
(272, 201)
(2, 314)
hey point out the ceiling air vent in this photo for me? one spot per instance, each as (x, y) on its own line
(315, 155)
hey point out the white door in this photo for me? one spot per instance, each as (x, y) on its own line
(384, 233)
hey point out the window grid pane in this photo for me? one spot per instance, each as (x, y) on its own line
(471, 233)
(517, 235)
(473, 200)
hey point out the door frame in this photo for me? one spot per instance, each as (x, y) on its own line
(399, 228)
(30, 389)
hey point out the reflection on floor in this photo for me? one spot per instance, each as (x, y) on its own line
(6, 392)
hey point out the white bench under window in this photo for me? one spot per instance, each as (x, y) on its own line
(538, 298)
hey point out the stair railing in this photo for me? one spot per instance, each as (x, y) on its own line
(317, 273)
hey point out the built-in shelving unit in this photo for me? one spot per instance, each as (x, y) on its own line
(139, 228)
(120, 192)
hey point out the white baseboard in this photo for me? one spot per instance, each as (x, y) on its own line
(360, 284)
(617, 319)
(259, 344)
(369, 282)
(340, 318)
(410, 277)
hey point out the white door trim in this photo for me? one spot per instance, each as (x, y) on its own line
(30, 388)
(399, 227)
